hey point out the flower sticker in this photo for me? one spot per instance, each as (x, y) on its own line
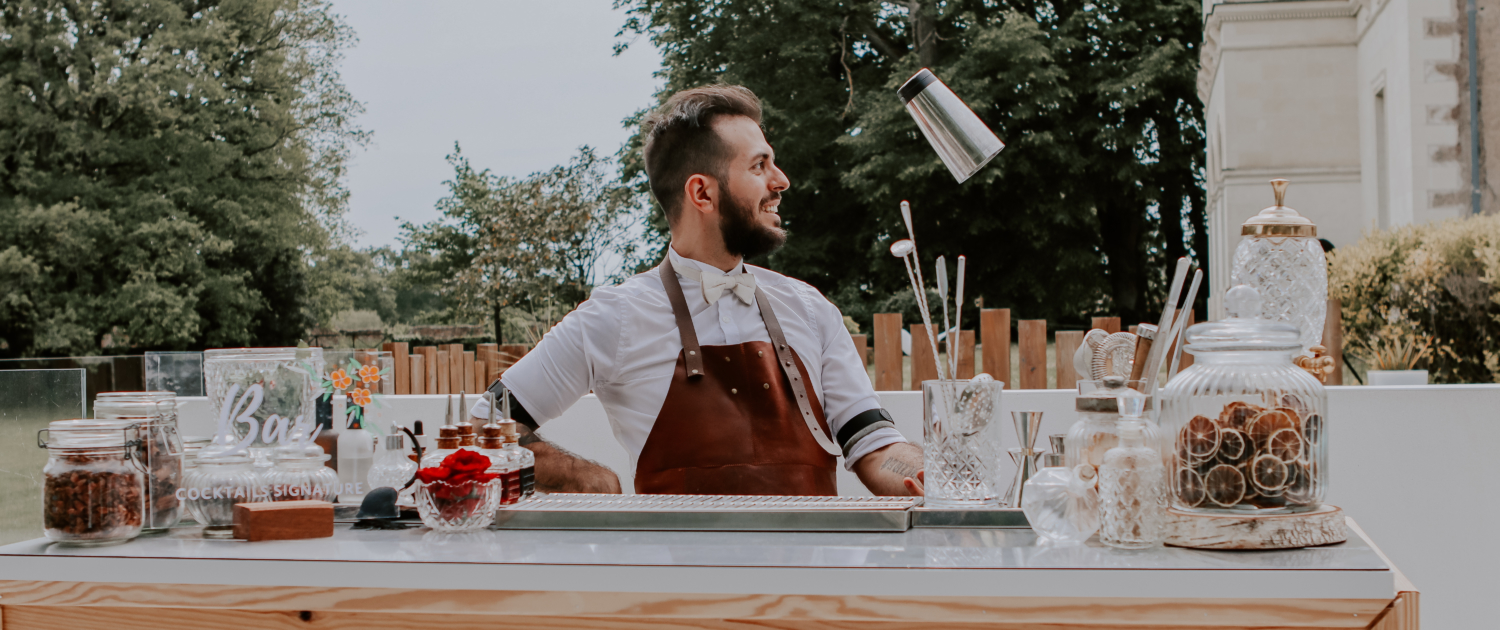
(360, 397)
(340, 379)
(369, 374)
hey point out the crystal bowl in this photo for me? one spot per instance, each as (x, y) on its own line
(462, 507)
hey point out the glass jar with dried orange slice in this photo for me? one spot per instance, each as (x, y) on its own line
(1247, 429)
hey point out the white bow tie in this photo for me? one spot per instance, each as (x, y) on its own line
(714, 285)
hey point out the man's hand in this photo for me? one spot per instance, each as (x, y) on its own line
(893, 470)
(558, 470)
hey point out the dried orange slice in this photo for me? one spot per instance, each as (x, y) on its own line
(1295, 403)
(1224, 485)
(1190, 490)
(1234, 447)
(1237, 414)
(1268, 475)
(1312, 429)
(1260, 429)
(1201, 438)
(1285, 445)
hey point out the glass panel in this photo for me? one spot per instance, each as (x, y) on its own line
(180, 372)
(29, 399)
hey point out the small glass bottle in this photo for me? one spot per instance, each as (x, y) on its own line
(524, 462)
(1132, 487)
(356, 457)
(392, 467)
(492, 445)
(447, 444)
(1061, 505)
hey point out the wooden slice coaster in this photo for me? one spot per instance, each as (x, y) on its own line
(1323, 526)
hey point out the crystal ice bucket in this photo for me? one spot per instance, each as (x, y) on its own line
(961, 443)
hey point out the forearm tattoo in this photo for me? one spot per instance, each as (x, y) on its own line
(902, 467)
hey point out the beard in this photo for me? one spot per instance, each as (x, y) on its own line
(743, 235)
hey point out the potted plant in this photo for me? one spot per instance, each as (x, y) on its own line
(1391, 356)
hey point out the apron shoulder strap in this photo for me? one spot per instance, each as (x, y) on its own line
(692, 352)
(784, 358)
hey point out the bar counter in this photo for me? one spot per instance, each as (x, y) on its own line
(939, 578)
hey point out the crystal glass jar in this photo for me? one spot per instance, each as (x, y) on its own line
(1098, 416)
(1281, 258)
(212, 489)
(160, 449)
(961, 438)
(301, 477)
(94, 488)
(259, 393)
(1132, 491)
(1249, 427)
(1060, 505)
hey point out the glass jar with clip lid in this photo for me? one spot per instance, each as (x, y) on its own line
(94, 485)
(160, 449)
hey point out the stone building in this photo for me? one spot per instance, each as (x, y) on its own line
(1363, 104)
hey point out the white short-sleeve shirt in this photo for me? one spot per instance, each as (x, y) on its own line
(622, 343)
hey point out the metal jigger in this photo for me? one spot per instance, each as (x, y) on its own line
(1028, 425)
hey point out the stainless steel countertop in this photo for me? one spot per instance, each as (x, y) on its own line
(920, 561)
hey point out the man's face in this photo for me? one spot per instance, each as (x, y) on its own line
(750, 190)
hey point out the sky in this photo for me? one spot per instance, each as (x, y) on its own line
(520, 84)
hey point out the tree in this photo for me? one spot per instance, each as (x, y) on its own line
(167, 168)
(537, 243)
(1100, 183)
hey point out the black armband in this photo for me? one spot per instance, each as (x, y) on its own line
(517, 411)
(861, 425)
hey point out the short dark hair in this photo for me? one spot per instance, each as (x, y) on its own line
(681, 142)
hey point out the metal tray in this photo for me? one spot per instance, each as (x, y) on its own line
(994, 518)
(708, 512)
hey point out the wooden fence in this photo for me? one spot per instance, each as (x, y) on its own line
(450, 368)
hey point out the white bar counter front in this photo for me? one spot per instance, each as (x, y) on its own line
(939, 578)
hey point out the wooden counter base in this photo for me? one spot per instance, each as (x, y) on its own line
(50, 605)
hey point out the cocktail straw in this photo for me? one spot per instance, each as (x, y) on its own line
(942, 280)
(958, 316)
(1181, 324)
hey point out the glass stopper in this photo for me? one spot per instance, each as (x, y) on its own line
(1242, 301)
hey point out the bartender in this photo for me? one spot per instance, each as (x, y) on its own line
(718, 377)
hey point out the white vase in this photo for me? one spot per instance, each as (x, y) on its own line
(1396, 377)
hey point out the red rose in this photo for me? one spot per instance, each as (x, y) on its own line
(429, 475)
(466, 461)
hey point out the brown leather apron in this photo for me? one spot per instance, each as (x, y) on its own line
(737, 419)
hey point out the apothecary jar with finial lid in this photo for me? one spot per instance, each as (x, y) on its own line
(1281, 257)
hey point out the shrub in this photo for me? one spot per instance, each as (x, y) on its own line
(1435, 281)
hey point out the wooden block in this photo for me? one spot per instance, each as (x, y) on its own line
(400, 353)
(1032, 337)
(283, 520)
(1067, 343)
(444, 366)
(470, 378)
(923, 367)
(862, 346)
(1110, 325)
(417, 375)
(994, 338)
(965, 354)
(455, 367)
(1323, 526)
(888, 353)
(1333, 340)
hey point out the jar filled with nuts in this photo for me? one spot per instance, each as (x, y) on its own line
(1249, 426)
(94, 489)
(160, 450)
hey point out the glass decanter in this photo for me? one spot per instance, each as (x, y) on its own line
(1132, 487)
(1060, 505)
(392, 467)
(1281, 258)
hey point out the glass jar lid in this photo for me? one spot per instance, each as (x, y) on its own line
(1242, 333)
(88, 433)
(1105, 398)
(1279, 220)
(261, 354)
